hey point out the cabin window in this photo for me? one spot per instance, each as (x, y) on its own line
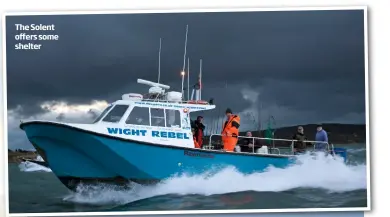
(173, 118)
(103, 114)
(139, 116)
(157, 117)
(115, 115)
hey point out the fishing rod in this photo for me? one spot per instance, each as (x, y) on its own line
(217, 120)
(269, 132)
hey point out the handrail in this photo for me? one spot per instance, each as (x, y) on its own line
(329, 147)
(276, 149)
(194, 102)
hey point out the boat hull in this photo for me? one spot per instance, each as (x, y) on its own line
(78, 156)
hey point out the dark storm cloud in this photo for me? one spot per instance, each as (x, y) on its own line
(303, 61)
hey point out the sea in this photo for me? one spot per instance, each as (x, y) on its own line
(315, 181)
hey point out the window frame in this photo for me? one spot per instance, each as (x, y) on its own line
(150, 116)
(103, 114)
(113, 107)
(180, 117)
(129, 112)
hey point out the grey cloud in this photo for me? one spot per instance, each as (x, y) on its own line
(308, 66)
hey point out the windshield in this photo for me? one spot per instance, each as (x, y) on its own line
(156, 117)
(103, 114)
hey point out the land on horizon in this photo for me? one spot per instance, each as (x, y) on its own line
(337, 133)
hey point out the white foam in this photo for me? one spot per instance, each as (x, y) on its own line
(33, 167)
(39, 158)
(357, 150)
(310, 172)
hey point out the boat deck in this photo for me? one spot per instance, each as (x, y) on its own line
(274, 146)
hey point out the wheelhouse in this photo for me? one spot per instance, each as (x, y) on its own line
(142, 114)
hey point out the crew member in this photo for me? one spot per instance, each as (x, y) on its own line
(300, 145)
(199, 129)
(246, 144)
(230, 131)
(196, 144)
(321, 139)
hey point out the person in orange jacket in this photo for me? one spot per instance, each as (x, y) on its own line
(199, 127)
(230, 131)
(194, 138)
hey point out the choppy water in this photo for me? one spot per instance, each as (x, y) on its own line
(315, 182)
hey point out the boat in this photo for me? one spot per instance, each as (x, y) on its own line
(141, 138)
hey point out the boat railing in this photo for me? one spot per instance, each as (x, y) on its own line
(275, 145)
(194, 102)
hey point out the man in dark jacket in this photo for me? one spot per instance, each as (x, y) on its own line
(246, 144)
(300, 145)
(199, 127)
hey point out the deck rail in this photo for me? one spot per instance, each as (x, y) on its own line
(194, 102)
(328, 147)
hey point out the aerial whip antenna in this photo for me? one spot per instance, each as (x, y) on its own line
(200, 80)
(188, 79)
(184, 62)
(159, 62)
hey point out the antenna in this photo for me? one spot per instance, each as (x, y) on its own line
(200, 80)
(184, 64)
(188, 79)
(182, 83)
(159, 62)
(185, 50)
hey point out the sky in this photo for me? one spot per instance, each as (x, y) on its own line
(299, 67)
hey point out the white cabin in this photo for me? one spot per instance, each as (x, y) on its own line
(156, 117)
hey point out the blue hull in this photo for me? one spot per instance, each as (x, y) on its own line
(75, 156)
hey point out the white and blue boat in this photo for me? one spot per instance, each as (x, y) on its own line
(143, 138)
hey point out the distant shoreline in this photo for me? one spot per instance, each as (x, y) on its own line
(337, 133)
(17, 155)
(342, 134)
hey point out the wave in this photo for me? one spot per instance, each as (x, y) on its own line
(310, 171)
(33, 167)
